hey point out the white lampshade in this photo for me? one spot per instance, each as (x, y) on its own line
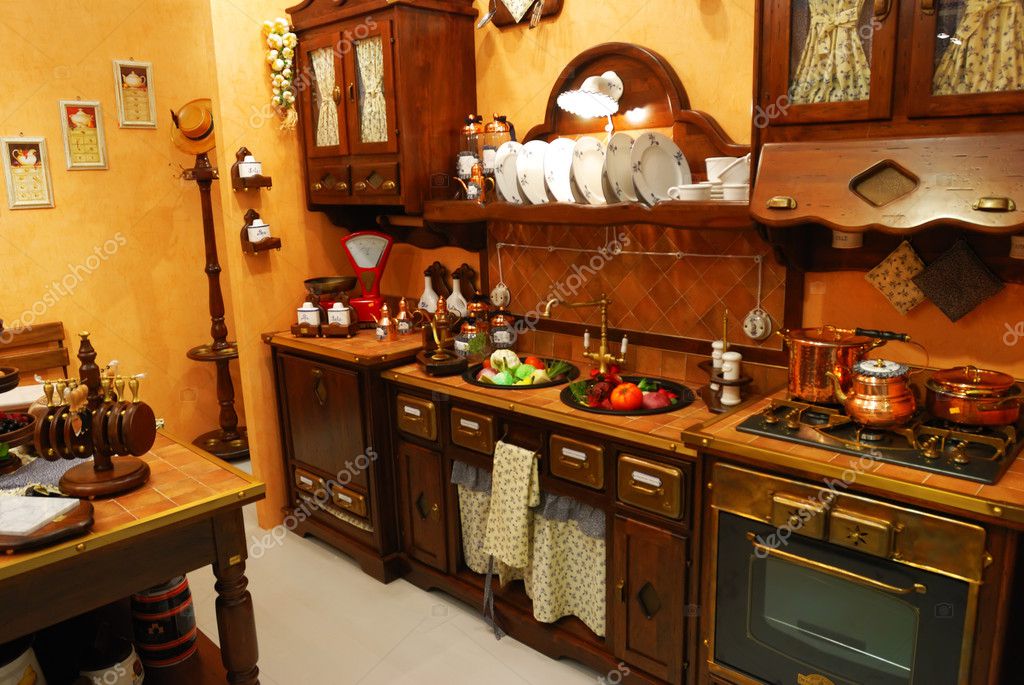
(598, 96)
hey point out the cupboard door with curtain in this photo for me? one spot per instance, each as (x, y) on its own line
(968, 57)
(827, 60)
(649, 600)
(370, 87)
(321, 73)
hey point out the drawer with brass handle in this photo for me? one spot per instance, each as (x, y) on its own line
(349, 500)
(417, 417)
(577, 461)
(309, 482)
(651, 486)
(473, 430)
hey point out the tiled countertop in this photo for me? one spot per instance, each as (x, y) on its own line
(661, 431)
(363, 349)
(1002, 502)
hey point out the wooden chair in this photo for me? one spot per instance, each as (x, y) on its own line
(39, 348)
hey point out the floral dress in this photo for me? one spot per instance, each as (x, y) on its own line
(833, 66)
(987, 52)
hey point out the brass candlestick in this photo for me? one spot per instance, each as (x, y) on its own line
(603, 357)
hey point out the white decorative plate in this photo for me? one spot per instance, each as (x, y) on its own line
(530, 171)
(505, 176)
(588, 169)
(558, 169)
(658, 164)
(618, 169)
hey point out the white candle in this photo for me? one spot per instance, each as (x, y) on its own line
(586, 340)
(622, 350)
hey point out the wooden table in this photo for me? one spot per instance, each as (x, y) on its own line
(189, 515)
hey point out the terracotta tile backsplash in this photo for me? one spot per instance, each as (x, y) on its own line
(683, 297)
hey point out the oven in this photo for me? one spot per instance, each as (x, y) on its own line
(816, 586)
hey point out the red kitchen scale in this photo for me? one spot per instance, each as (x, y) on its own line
(368, 252)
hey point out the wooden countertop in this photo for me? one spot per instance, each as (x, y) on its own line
(660, 431)
(363, 349)
(184, 482)
(1002, 503)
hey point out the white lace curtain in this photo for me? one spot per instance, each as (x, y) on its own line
(373, 117)
(327, 130)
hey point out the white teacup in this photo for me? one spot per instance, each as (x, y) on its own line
(736, 192)
(693, 192)
(716, 165)
(728, 169)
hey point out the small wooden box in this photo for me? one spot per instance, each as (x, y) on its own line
(473, 430)
(417, 417)
(651, 486)
(577, 461)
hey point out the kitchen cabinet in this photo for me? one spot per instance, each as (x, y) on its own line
(379, 112)
(649, 598)
(422, 504)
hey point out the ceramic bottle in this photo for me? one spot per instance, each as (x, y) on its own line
(428, 300)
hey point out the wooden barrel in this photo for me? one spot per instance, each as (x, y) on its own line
(164, 622)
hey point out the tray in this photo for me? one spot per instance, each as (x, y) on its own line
(686, 398)
(571, 375)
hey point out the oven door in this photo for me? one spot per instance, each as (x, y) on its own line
(804, 612)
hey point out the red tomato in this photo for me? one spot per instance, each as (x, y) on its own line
(627, 397)
(535, 362)
(487, 363)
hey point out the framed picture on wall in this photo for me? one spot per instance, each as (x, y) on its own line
(82, 124)
(133, 85)
(27, 173)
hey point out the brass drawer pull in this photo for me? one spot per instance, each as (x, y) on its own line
(319, 392)
(341, 186)
(574, 459)
(389, 185)
(834, 571)
(882, 8)
(317, 187)
(928, 7)
(649, 485)
(995, 204)
(352, 92)
(360, 187)
(471, 427)
(782, 202)
(620, 588)
(336, 95)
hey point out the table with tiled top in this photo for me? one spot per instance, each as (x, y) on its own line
(187, 516)
(1002, 502)
(363, 348)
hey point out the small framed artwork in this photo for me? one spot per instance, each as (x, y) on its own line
(136, 105)
(27, 172)
(82, 124)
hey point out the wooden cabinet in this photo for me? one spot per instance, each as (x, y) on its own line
(649, 598)
(380, 106)
(324, 416)
(422, 504)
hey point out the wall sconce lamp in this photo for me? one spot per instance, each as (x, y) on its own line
(598, 96)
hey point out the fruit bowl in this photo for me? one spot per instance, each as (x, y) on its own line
(16, 428)
(571, 373)
(684, 396)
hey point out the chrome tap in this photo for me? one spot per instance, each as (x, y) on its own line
(603, 357)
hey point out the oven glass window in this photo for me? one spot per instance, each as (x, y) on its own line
(839, 621)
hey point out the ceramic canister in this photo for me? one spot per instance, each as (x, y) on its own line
(339, 314)
(18, 663)
(249, 167)
(309, 314)
(164, 621)
(258, 230)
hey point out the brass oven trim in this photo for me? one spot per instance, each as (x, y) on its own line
(711, 593)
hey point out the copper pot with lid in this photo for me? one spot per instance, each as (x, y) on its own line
(816, 352)
(974, 397)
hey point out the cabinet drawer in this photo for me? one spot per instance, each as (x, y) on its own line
(349, 500)
(330, 182)
(472, 430)
(577, 461)
(417, 417)
(375, 179)
(652, 486)
(309, 482)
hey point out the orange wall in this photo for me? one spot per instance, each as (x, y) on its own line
(145, 305)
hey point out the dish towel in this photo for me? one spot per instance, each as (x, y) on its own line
(474, 504)
(515, 487)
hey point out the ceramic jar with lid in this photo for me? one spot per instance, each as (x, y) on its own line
(502, 334)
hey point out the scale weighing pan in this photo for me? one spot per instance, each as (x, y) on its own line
(368, 252)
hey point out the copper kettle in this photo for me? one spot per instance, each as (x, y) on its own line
(880, 394)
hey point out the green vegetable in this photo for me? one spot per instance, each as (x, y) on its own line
(647, 385)
(579, 391)
(504, 360)
(477, 344)
(559, 368)
(540, 376)
(524, 371)
(4, 450)
(503, 378)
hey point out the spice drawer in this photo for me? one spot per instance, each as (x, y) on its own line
(349, 500)
(309, 482)
(473, 430)
(417, 417)
(577, 461)
(651, 486)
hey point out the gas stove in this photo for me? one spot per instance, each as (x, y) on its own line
(973, 453)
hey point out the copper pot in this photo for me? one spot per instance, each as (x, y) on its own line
(880, 394)
(815, 352)
(974, 397)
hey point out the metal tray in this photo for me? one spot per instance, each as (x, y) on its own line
(571, 375)
(686, 398)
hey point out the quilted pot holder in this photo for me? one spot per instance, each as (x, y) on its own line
(894, 278)
(958, 281)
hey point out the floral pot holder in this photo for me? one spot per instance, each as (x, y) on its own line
(958, 281)
(894, 278)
